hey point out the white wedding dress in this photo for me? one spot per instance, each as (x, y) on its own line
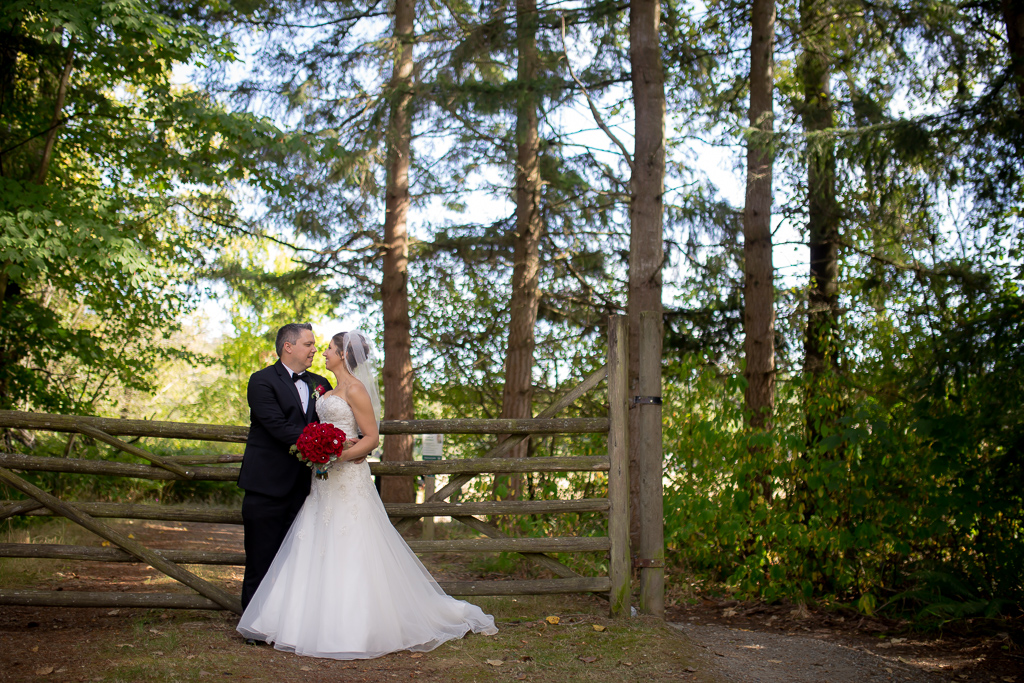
(345, 584)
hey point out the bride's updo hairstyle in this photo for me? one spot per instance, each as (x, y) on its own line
(354, 346)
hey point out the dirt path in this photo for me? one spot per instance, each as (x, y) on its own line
(716, 639)
(753, 656)
(791, 644)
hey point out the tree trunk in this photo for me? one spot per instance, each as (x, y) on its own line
(646, 251)
(55, 123)
(10, 290)
(821, 353)
(517, 396)
(1013, 15)
(759, 287)
(398, 374)
(3, 283)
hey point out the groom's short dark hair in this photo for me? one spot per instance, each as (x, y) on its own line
(289, 334)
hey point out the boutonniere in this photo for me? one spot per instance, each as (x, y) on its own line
(319, 391)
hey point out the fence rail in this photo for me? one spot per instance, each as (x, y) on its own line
(50, 422)
(171, 513)
(218, 467)
(554, 544)
(416, 468)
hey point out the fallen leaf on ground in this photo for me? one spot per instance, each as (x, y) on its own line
(125, 645)
(691, 669)
(305, 668)
(598, 627)
(625, 663)
(526, 658)
(158, 653)
(35, 648)
(588, 660)
(729, 612)
(44, 670)
(416, 655)
(521, 677)
(552, 620)
(113, 613)
(495, 662)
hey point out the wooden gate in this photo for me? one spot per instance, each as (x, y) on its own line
(210, 596)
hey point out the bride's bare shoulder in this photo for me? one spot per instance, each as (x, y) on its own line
(356, 396)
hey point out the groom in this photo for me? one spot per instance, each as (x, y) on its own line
(281, 404)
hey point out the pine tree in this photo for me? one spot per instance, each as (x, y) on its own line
(398, 374)
(759, 289)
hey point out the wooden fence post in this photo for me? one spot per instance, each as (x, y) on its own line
(651, 560)
(618, 474)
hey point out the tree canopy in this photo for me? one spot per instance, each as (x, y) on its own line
(154, 152)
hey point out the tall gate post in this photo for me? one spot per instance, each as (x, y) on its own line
(618, 474)
(651, 560)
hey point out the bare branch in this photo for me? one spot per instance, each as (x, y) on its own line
(593, 109)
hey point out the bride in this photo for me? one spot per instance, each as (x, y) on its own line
(344, 584)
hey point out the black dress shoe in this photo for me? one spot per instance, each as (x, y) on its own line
(250, 641)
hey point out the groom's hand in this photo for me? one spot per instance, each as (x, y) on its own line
(349, 444)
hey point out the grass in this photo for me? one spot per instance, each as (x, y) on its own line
(139, 645)
(172, 646)
(20, 573)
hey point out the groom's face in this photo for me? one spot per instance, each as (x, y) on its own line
(302, 351)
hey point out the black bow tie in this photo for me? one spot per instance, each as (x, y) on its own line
(299, 375)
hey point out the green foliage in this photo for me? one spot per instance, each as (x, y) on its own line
(894, 482)
(905, 506)
(114, 187)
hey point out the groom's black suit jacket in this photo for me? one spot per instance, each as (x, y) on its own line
(277, 421)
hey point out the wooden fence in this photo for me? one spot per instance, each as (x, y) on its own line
(616, 584)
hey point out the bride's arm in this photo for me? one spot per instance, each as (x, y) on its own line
(359, 401)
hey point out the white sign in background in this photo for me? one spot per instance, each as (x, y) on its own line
(433, 446)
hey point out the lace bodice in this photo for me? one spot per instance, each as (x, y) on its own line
(336, 410)
(347, 483)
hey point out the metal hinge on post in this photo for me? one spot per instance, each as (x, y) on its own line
(646, 401)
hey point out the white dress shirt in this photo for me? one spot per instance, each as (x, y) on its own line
(303, 388)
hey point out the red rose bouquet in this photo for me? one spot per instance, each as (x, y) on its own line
(318, 446)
